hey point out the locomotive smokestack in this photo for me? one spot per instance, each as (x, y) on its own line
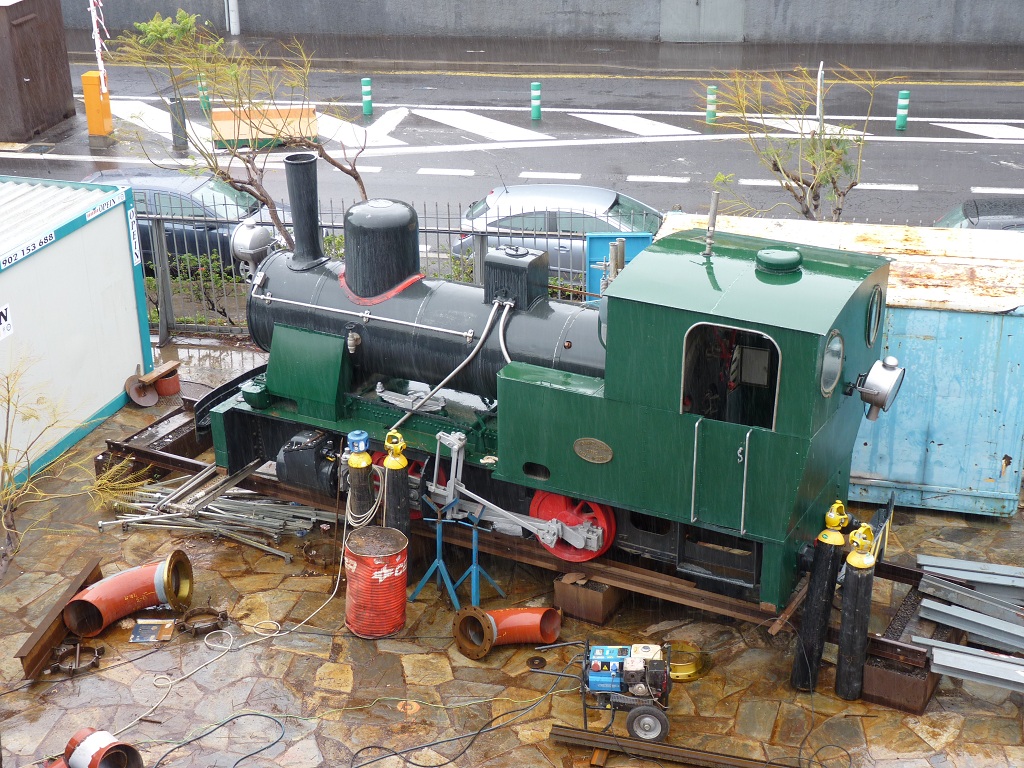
(300, 170)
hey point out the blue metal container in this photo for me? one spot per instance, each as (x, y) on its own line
(598, 245)
(954, 439)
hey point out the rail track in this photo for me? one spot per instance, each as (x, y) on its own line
(172, 444)
(603, 743)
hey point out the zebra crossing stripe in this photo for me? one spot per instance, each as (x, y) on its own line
(659, 179)
(806, 125)
(552, 175)
(446, 172)
(355, 136)
(495, 130)
(997, 191)
(641, 126)
(988, 130)
(154, 119)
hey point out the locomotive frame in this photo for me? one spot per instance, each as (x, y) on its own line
(703, 415)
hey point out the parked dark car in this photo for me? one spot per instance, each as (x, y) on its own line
(986, 213)
(554, 218)
(202, 213)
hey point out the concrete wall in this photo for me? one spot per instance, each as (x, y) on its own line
(884, 21)
(762, 21)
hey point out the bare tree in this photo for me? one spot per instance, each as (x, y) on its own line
(783, 119)
(264, 97)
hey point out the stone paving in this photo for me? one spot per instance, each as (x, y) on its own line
(345, 701)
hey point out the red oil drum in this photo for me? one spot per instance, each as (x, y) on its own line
(376, 561)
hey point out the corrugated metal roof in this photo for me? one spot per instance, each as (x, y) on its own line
(33, 207)
(961, 270)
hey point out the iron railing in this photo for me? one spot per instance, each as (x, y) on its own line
(191, 272)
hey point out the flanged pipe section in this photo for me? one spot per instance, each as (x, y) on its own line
(477, 631)
(162, 581)
(90, 748)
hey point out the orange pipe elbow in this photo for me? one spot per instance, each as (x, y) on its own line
(90, 748)
(162, 581)
(477, 631)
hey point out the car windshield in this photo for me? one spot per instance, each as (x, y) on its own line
(477, 209)
(226, 201)
(634, 215)
(955, 219)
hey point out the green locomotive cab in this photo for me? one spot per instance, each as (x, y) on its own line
(723, 428)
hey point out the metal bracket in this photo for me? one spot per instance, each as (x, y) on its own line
(586, 535)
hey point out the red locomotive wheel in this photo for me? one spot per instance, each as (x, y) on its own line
(554, 506)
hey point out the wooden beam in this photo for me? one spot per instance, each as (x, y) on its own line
(787, 613)
(37, 650)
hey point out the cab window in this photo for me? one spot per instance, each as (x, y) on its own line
(730, 374)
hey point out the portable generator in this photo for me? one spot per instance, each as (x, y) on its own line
(626, 678)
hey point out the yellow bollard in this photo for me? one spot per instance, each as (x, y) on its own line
(97, 110)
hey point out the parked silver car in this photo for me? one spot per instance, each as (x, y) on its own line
(986, 213)
(553, 218)
(203, 216)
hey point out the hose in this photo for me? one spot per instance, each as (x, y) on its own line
(458, 369)
(505, 315)
(359, 521)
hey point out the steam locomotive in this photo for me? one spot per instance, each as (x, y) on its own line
(701, 414)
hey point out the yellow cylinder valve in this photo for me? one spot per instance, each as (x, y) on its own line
(395, 445)
(835, 519)
(863, 541)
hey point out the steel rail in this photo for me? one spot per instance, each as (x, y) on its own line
(662, 586)
(651, 750)
(665, 587)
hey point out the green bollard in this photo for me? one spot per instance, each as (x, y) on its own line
(204, 96)
(712, 109)
(535, 101)
(902, 110)
(367, 97)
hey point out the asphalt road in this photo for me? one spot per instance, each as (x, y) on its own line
(446, 139)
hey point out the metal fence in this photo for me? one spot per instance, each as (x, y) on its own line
(190, 270)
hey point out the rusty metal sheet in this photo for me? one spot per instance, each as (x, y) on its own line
(963, 270)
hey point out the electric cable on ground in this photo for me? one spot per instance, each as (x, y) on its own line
(487, 727)
(221, 725)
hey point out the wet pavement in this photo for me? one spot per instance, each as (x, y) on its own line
(342, 700)
(369, 54)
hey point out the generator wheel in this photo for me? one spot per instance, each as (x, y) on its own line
(554, 506)
(647, 724)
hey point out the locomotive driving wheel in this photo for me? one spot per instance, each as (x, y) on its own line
(554, 506)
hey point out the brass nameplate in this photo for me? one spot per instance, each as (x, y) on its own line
(593, 450)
